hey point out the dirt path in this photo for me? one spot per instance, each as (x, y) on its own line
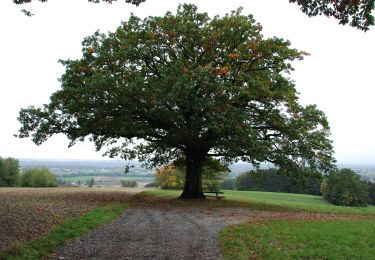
(166, 233)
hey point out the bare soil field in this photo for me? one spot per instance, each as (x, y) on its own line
(26, 213)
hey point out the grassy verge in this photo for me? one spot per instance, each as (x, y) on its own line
(281, 239)
(63, 232)
(271, 201)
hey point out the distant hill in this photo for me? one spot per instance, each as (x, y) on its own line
(117, 167)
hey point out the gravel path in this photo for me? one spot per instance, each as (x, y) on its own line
(164, 233)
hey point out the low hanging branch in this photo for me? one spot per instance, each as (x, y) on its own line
(356, 13)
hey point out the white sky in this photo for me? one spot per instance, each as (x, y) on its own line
(338, 76)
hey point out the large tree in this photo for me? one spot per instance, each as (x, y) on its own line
(358, 13)
(188, 86)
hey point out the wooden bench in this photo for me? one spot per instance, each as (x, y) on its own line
(216, 194)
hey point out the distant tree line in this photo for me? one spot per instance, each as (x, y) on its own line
(111, 174)
(307, 182)
(343, 187)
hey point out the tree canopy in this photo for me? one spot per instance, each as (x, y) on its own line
(9, 172)
(185, 85)
(356, 13)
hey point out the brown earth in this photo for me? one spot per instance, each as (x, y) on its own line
(26, 213)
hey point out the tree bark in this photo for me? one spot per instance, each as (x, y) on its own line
(193, 178)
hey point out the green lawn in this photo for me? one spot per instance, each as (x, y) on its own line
(290, 239)
(281, 239)
(277, 201)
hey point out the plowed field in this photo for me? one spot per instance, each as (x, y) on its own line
(26, 213)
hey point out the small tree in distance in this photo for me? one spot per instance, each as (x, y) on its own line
(38, 177)
(9, 172)
(91, 183)
(186, 86)
(345, 188)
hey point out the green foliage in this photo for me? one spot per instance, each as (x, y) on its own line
(229, 184)
(305, 182)
(91, 183)
(186, 85)
(38, 177)
(9, 172)
(172, 176)
(345, 188)
(299, 239)
(371, 192)
(357, 13)
(169, 177)
(28, 13)
(125, 183)
(63, 232)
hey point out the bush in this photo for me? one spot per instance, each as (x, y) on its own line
(9, 172)
(228, 184)
(128, 184)
(345, 188)
(172, 176)
(210, 185)
(371, 192)
(91, 183)
(168, 177)
(38, 177)
(151, 185)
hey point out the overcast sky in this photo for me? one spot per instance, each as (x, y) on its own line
(338, 76)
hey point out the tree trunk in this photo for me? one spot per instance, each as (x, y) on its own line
(193, 178)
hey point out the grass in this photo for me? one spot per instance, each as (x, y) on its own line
(274, 201)
(282, 239)
(63, 232)
(290, 239)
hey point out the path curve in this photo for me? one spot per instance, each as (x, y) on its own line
(165, 233)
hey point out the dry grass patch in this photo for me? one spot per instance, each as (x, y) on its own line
(26, 213)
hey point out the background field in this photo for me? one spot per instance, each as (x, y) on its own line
(276, 201)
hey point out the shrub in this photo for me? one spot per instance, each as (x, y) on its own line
(345, 188)
(371, 192)
(228, 184)
(210, 185)
(38, 177)
(9, 172)
(128, 184)
(151, 185)
(172, 176)
(91, 183)
(168, 177)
